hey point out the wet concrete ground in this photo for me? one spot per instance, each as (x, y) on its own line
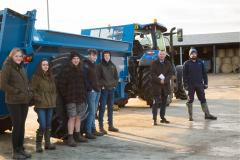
(138, 139)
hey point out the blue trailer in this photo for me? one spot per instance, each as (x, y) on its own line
(17, 30)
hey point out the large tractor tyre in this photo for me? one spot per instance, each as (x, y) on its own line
(179, 90)
(145, 85)
(5, 124)
(59, 121)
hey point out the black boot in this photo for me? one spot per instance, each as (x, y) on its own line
(164, 120)
(154, 122)
(206, 111)
(25, 153)
(18, 155)
(190, 109)
(39, 137)
(47, 136)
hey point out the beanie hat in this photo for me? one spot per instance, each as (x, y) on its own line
(192, 50)
(74, 54)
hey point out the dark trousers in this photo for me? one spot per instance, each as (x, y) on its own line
(107, 98)
(159, 102)
(18, 113)
(44, 118)
(199, 89)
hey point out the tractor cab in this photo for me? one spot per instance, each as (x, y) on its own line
(146, 39)
(149, 36)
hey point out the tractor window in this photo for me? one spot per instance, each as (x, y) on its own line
(106, 33)
(160, 41)
(118, 33)
(95, 33)
(145, 39)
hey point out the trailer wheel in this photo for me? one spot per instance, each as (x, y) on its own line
(179, 90)
(145, 85)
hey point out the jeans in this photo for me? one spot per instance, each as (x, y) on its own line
(18, 113)
(107, 98)
(92, 100)
(44, 118)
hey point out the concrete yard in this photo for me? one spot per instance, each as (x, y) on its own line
(138, 139)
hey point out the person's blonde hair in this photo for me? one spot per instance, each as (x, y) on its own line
(13, 52)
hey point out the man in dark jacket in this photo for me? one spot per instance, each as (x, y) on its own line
(71, 87)
(108, 80)
(195, 80)
(93, 93)
(161, 72)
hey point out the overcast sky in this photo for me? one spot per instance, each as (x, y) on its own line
(194, 16)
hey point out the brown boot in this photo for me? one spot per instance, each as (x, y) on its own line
(113, 129)
(70, 141)
(79, 138)
(96, 133)
(102, 130)
(90, 136)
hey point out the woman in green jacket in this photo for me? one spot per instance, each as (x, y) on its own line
(14, 83)
(45, 100)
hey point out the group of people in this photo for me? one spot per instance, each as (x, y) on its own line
(86, 85)
(82, 84)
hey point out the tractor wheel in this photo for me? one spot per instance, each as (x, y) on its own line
(145, 85)
(179, 90)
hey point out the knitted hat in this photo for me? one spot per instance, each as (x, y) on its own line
(74, 54)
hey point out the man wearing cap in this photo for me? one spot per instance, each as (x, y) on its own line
(161, 73)
(195, 80)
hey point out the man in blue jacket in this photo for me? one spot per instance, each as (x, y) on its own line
(195, 80)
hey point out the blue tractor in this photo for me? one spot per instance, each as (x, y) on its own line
(145, 42)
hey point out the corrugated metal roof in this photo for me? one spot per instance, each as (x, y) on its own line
(206, 39)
